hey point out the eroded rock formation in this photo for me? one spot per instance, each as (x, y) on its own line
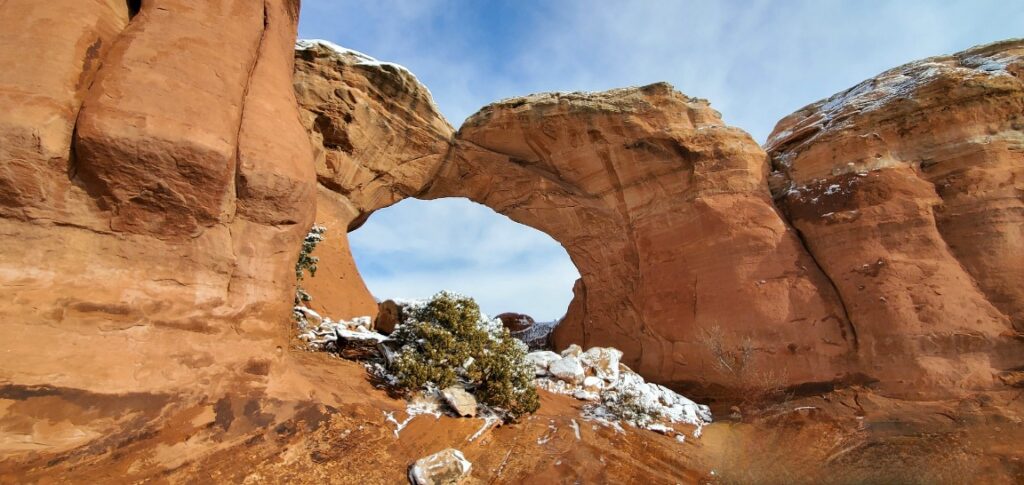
(646, 188)
(909, 190)
(153, 196)
(668, 215)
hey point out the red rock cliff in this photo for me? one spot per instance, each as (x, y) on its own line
(157, 176)
(908, 190)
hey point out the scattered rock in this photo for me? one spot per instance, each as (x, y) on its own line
(604, 361)
(541, 360)
(461, 401)
(573, 350)
(447, 467)
(567, 369)
(389, 315)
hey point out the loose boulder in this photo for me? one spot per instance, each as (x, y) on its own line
(461, 401)
(446, 467)
(568, 369)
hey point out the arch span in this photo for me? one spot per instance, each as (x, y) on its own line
(662, 208)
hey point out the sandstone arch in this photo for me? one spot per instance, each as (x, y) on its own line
(143, 300)
(640, 185)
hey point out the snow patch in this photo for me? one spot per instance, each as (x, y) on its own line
(575, 429)
(624, 395)
(327, 333)
(362, 59)
(413, 409)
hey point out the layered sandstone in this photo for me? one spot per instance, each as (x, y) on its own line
(156, 180)
(664, 211)
(157, 177)
(377, 138)
(907, 189)
(644, 187)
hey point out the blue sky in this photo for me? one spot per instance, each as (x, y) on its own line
(756, 61)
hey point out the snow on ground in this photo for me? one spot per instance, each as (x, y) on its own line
(421, 405)
(615, 394)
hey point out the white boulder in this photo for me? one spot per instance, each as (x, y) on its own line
(568, 369)
(593, 384)
(446, 467)
(604, 361)
(541, 359)
(573, 350)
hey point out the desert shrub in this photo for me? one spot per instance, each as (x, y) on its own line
(446, 341)
(734, 362)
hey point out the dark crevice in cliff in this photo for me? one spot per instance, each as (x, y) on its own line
(239, 180)
(95, 55)
(846, 327)
(133, 8)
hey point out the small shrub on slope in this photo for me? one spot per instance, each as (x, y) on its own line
(447, 341)
(306, 263)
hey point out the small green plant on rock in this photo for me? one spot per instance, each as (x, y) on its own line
(306, 263)
(446, 341)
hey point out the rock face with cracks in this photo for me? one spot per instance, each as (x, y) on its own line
(160, 165)
(909, 190)
(686, 259)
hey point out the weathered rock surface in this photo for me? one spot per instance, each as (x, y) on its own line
(124, 231)
(65, 42)
(377, 135)
(461, 401)
(446, 467)
(156, 179)
(907, 189)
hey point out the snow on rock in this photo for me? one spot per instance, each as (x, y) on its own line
(568, 369)
(445, 467)
(573, 350)
(537, 335)
(541, 360)
(618, 395)
(327, 334)
(361, 59)
(897, 85)
(604, 361)
(593, 383)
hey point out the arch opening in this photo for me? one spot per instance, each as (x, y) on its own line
(418, 247)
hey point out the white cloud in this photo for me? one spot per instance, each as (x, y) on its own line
(416, 248)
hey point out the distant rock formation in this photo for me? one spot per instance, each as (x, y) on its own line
(515, 322)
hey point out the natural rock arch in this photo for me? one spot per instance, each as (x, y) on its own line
(640, 185)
